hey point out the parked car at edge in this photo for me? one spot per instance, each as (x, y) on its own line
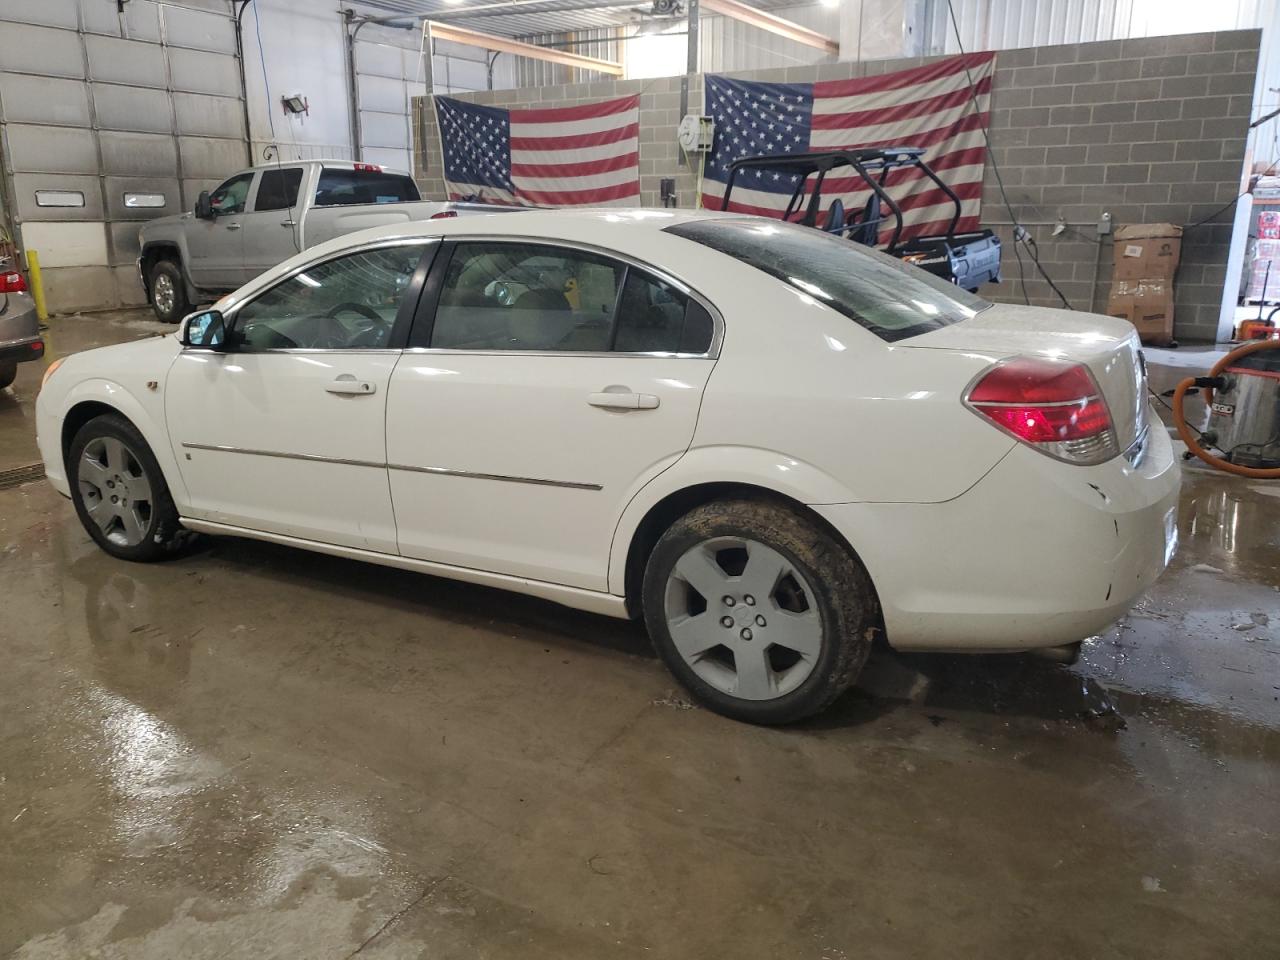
(769, 443)
(260, 217)
(20, 338)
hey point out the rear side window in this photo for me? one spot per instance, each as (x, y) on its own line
(542, 297)
(892, 299)
(348, 187)
(278, 189)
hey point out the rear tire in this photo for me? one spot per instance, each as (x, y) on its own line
(759, 612)
(8, 372)
(169, 292)
(120, 493)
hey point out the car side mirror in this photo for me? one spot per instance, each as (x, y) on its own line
(204, 207)
(204, 330)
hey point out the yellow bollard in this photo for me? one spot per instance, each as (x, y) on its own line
(37, 284)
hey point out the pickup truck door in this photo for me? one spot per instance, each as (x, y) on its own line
(285, 433)
(215, 248)
(270, 231)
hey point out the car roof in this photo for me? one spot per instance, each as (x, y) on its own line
(566, 223)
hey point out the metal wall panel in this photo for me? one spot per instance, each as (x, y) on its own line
(204, 116)
(194, 71)
(204, 158)
(384, 130)
(44, 50)
(33, 149)
(125, 61)
(395, 159)
(25, 186)
(381, 94)
(380, 59)
(115, 189)
(67, 244)
(132, 108)
(47, 100)
(140, 19)
(198, 30)
(53, 13)
(138, 154)
(125, 248)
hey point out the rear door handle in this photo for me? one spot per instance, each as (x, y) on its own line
(624, 401)
(233, 226)
(349, 385)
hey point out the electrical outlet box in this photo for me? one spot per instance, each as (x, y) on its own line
(1104, 224)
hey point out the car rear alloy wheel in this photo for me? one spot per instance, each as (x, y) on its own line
(119, 492)
(740, 615)
(761, 613)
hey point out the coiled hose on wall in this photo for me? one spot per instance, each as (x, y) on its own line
(1190, 439)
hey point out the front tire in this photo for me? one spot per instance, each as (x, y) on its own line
(763, 615)
(119, 492)
(169, 292)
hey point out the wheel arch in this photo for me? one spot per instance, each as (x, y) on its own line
(95, 398)
(660, 515)
(159, 250)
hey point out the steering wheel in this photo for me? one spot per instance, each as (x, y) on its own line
(360, 308)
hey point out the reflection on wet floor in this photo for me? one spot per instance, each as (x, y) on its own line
(256, 752)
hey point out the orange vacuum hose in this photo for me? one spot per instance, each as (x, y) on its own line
(1180, 419)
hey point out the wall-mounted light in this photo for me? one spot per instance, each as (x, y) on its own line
(295, 103)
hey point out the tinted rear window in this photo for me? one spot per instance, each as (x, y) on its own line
(341, 188)
(892, 299)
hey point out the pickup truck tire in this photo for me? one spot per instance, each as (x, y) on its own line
(169, 292)
(7, 374)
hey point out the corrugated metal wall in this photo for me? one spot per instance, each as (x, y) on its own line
(109, 118)
(1007, 24)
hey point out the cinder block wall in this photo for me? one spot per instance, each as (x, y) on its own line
(1149, 130)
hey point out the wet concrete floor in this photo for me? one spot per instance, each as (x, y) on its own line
(256, 752)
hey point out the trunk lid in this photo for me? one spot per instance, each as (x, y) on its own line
(1108, 346)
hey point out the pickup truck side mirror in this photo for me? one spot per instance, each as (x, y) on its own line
(204, 330)
(204, 207)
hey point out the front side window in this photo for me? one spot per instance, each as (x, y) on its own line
(349, 303)
(342, 187)
(531, 296)
(231, 195)
(892, 299)
(278, 189)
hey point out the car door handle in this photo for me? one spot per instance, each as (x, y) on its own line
(287, 223)
(347, 384)
(233, 226)
(624, 401)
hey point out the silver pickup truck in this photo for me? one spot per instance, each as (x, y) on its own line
(262, 216)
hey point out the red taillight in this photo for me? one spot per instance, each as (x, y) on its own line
(443, 215)
(1053, 405)
(12, 283)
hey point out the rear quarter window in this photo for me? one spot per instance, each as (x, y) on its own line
(892, 299)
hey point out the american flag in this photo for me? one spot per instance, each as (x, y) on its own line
(931, 107)
(560, 156)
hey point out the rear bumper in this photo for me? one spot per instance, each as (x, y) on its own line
(21, 349)
(1036, 554)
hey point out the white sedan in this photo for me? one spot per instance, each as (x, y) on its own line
(770, 443)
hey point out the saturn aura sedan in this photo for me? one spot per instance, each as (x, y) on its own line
(771, 444)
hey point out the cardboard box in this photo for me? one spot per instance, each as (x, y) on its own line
(1147, 304)
(1145, 251)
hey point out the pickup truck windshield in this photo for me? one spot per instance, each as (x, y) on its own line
(892, 299)
(343, 187)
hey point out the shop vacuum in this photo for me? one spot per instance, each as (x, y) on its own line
(1242, 392)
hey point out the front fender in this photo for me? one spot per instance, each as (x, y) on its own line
(750, 466)
(145, 413)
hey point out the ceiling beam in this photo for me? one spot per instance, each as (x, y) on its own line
(488, 41)
(773, 24)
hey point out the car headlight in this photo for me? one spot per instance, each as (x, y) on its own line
(48, 371)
